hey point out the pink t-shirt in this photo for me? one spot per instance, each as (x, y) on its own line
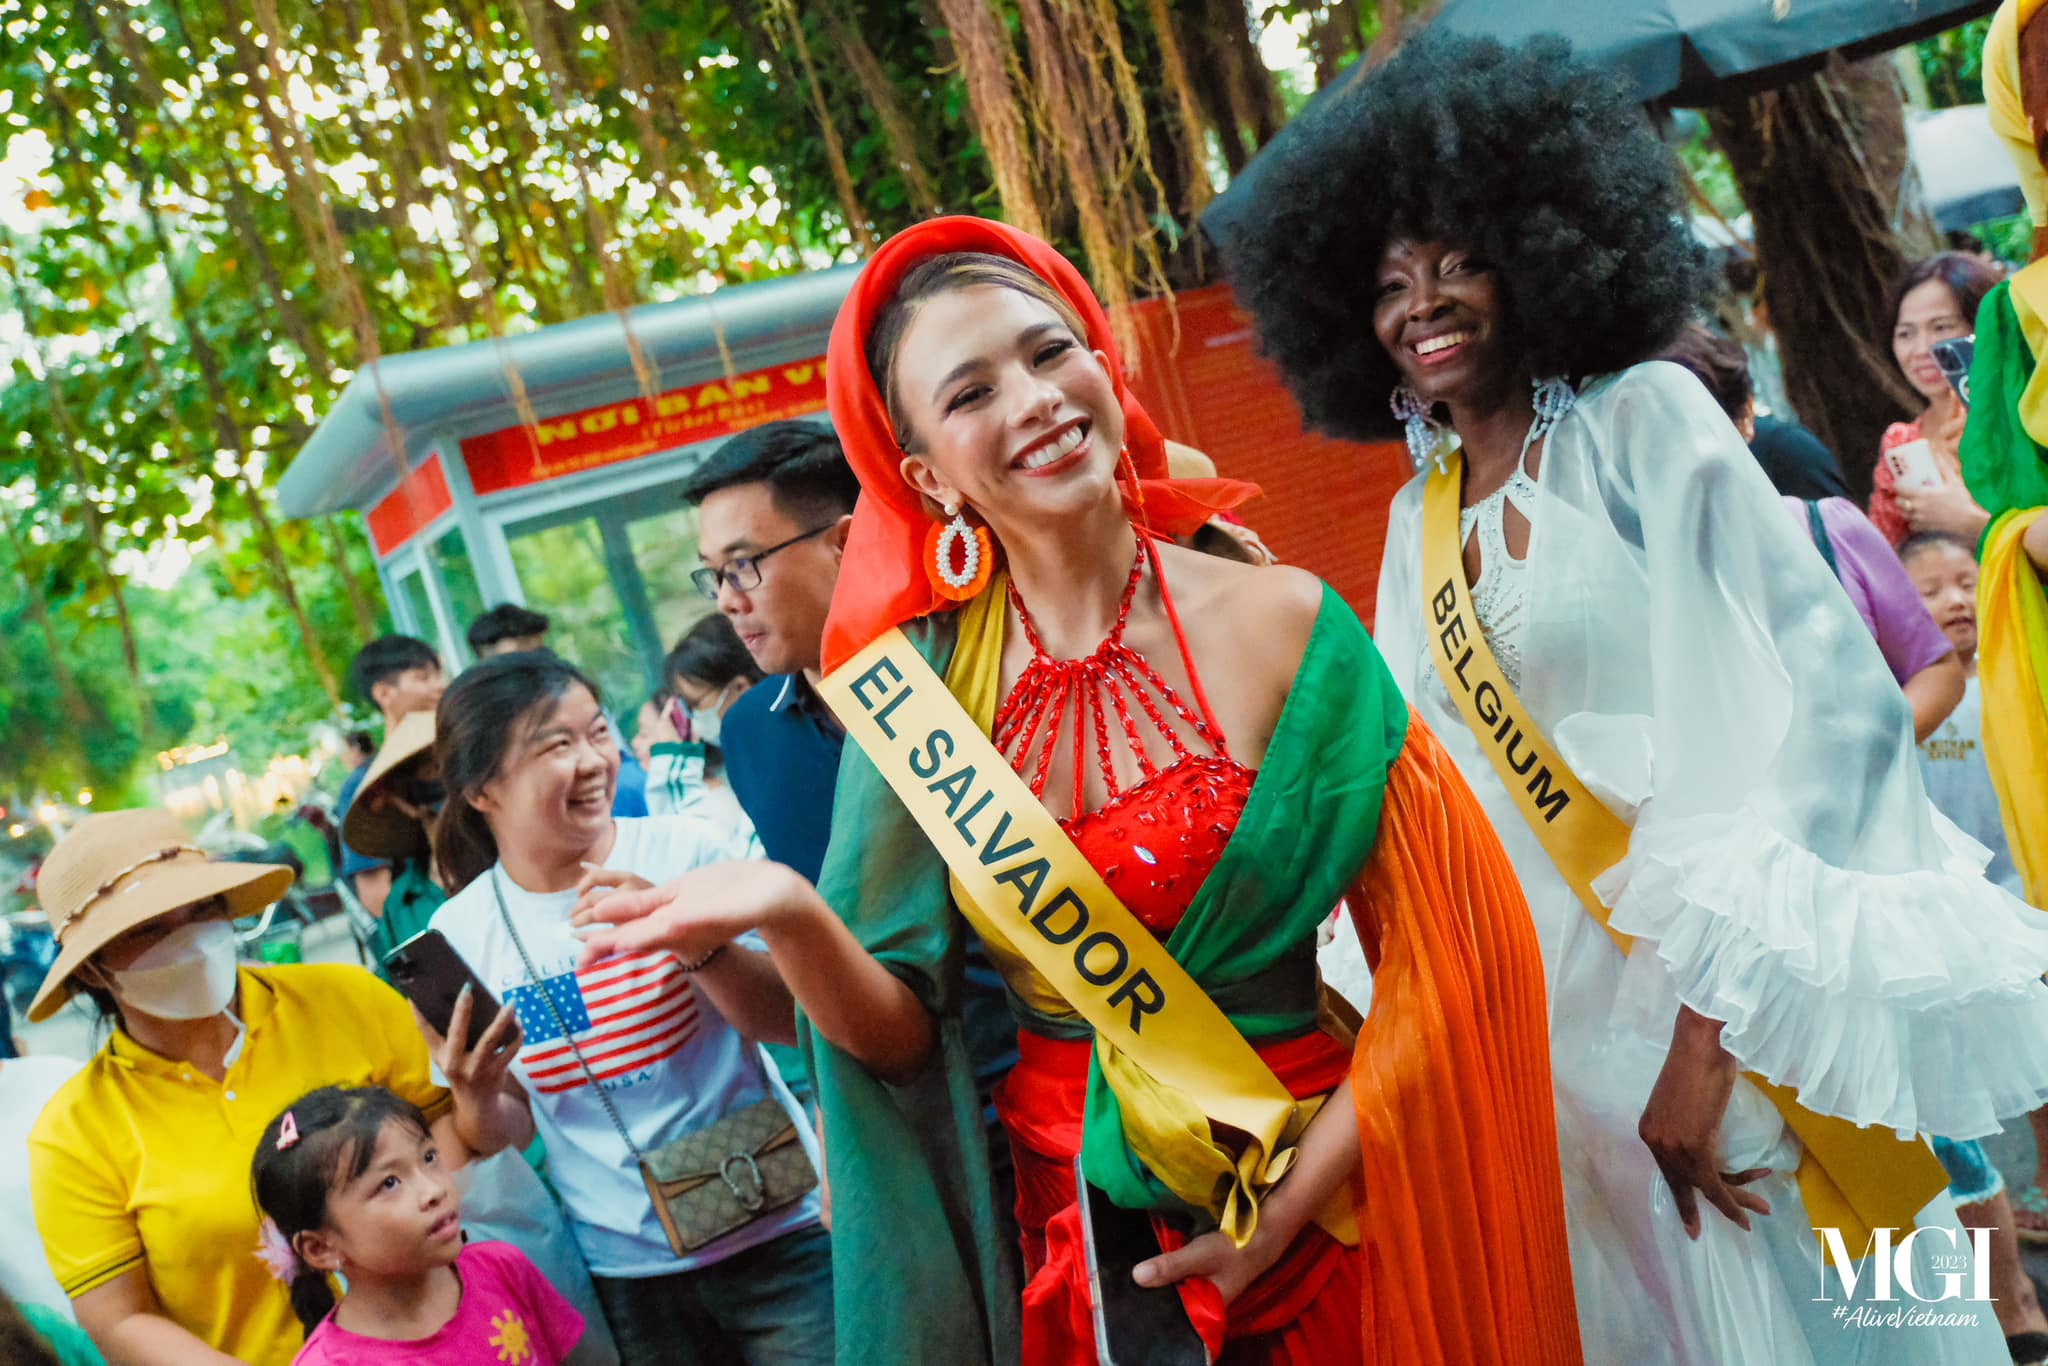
(509, 1315)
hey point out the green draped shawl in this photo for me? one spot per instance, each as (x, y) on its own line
(919, 1276)
(2003, 466)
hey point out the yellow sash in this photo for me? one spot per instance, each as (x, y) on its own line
(1854, 1179)
(1176, 1062)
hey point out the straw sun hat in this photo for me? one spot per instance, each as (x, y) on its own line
(374, 828)
(120, 869)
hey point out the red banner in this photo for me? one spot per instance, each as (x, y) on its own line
(407, 509)
(613, 432)
(1325, 503)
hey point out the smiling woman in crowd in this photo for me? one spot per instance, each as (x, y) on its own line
(621, 1067)
(140, 1163)
(1482, 243)
(1221, 745)
(1936, 300)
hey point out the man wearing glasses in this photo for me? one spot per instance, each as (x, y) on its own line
(773, 507)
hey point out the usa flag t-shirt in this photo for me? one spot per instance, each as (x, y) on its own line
(656, 1044)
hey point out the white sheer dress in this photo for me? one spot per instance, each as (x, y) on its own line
(1688, 654)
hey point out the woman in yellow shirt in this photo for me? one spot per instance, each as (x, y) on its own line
(140, 1164)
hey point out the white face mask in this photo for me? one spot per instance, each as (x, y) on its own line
(189, 974)
(705, 724)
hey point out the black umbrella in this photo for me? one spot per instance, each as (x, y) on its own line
(1689, 52)
(1678, 52)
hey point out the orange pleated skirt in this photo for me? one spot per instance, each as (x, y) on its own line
(1461, 1206)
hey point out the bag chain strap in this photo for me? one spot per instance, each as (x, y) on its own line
(533, 977)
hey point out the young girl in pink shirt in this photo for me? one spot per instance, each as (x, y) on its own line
(350, 1182)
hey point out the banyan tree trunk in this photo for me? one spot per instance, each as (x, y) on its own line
(1822, 165)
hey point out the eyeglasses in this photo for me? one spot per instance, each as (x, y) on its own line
(742, 573)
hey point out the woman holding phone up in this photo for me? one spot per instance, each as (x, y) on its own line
(1936, 300)
(636, 1068)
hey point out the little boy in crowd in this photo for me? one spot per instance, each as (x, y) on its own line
(1944, 569)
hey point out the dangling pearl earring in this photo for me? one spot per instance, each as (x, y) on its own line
(1553, 398)
(976, 555)
(1425, 438)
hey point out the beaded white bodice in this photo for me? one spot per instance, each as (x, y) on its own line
(1500, 597)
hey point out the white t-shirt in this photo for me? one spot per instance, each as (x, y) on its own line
(666, 1057)
(1952, 764)
(26, 1085)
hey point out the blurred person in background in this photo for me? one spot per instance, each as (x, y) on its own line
(29, 1336)
(1944, 570)
(2004, 457)
(26, 1086)
(398, 675)
(1918, 654)
(508, 629)
(358, 747)
(390, 819)
(679, 738)
(1798, 464)
(1935, 300)
(773, 507)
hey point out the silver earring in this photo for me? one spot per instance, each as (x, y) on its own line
(1425, 438)
(1553, 398)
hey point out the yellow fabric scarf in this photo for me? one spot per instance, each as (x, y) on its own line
(2012, 671)
(1168, 1128)
(2007, 111)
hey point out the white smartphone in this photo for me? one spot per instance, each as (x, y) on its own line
(1913, 467)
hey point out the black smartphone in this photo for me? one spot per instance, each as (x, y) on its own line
(1135, 1325)
(428, 971)
(1954, 357)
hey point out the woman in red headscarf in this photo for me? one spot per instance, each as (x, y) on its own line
(1224, 746)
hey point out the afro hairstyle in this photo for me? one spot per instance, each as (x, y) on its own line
(1528, 158)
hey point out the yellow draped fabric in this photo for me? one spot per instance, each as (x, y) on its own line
(974, 679)
(2029, 295)
(2012, 669)
(1168, 1128)
(2007, 111)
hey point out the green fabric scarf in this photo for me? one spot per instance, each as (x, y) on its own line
(908, 1165)
(2002, 465)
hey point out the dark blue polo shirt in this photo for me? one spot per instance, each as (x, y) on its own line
(781, 746)
(352, 862)
(781, 749)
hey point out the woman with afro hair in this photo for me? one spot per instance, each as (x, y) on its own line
(1763, 948)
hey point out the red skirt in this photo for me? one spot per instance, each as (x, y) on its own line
(1305, 1311)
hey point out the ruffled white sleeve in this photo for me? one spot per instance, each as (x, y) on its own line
(1787, 867)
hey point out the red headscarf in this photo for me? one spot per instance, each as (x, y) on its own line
(882, 580)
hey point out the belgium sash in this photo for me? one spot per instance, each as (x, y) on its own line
(1174, 1058)
(1851, 1178)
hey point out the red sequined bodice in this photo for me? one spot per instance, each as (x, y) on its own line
(1155, 840)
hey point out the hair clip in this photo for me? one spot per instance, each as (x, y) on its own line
(274, 1250)
(287, 1132)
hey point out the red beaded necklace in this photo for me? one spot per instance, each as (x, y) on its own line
(1028, 725)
